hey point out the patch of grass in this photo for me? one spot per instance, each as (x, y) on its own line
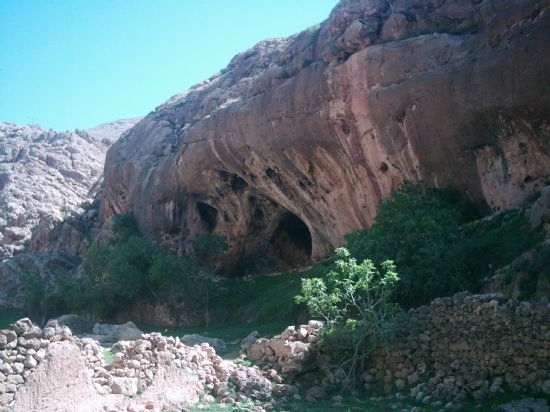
(108, 355)
(244, 362)
(9, 315)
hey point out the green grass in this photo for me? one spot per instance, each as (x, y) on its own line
(367, 403)
(8, 316)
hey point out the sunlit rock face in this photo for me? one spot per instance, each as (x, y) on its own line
(46, 174)
(295, 143)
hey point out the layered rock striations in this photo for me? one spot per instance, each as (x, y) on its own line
(295, 143)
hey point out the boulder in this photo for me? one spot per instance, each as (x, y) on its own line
(113, 333)
(249, 340)
(59, 383)
(77, 324)
(194, 339)
(124, 386)
(22, 326)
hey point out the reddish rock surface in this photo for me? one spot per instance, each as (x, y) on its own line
(297, 140)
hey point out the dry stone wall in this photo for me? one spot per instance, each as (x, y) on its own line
(468, 346)
(461, 347)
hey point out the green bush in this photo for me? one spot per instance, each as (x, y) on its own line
(354, 299)
(208, 248)
(436, 245)
(131, 267)
(124, 226)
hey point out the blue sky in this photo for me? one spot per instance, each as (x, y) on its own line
(75, 64)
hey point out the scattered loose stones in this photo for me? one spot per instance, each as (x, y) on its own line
(134, 365)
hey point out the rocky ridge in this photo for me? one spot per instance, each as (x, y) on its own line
(108, 133)
(49, 187)
(295, 143)
(46, 174)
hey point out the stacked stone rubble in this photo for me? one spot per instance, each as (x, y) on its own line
(22, 348)
(134, 365)
(461, 347)
(291, 352)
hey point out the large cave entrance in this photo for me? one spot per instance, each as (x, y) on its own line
(290, 245)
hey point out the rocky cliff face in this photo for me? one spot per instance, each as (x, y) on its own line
(297, 140)
(46, 174)
(108, 133)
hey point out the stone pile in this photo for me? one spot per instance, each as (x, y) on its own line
(467, 346)
(22, 348)
(135, 364)
(135, 367)
(291, 352)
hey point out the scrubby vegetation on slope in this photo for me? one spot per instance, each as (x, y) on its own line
(438, 242)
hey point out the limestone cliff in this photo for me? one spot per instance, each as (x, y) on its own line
(297, 140)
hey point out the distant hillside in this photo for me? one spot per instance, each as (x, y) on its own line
(47, 173)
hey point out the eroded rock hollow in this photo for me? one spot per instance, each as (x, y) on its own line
(295, 143)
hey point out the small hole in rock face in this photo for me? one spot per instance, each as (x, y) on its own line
(384, 167)
(270, 173)
(257, 221)
(208, 215)
(345, 127)
(522, 148)
(223, 175)
(238, 184)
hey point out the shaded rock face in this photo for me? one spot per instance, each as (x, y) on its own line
(295, 143)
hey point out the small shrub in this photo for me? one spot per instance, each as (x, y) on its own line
(208, 248)
(354, 300)
(125, 226)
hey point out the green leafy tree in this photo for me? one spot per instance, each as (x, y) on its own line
(354, 300)
(208, 248)
(125, 226)
(32, 293)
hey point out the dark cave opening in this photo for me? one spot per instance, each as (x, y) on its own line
(290, 246)
(208, 215)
